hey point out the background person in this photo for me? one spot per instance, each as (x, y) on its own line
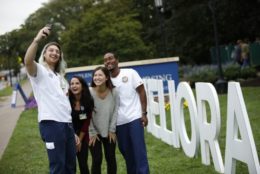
(131, 115)
(49, 88)
(237, 52)
(245, 53)
(82, 106)
(103, 124)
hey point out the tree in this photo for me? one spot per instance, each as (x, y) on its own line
(132, 28)
(102, 30)
(9, 52)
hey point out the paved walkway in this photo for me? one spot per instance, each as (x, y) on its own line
(9, 116)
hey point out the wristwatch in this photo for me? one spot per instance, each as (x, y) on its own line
(144, 113)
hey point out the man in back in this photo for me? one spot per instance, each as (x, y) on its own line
(132, 115)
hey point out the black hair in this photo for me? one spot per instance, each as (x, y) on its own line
(86, 98)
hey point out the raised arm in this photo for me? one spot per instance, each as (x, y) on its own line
(32, 49)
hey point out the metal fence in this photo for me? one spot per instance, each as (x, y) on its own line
(226, 52)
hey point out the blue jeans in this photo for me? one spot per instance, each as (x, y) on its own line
(131, 144)
(60, 143)
(245, 63)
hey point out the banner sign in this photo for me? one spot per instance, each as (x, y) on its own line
(162, 69)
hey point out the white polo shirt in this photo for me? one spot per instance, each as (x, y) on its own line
(53, 104)
(129, 106)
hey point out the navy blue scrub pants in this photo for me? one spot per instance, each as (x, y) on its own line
(60, 143)
(131, 144)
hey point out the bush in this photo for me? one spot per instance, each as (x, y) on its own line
(248, 72)
(231, 72)
(205, 73)
(209, 73)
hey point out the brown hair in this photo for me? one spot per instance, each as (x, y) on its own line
(109, 83)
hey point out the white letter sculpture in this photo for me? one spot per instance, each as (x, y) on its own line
(190, 147)
(209, 132)
(237, 119)
(157, 108)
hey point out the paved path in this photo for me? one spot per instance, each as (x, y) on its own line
(9, 116)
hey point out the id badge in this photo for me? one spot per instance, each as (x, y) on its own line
(82, 116)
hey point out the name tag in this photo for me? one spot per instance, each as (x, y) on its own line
(82, 116)
(50, 145)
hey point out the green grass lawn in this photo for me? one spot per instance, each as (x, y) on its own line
(26, 153)
(7, 91)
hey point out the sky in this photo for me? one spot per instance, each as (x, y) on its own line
(13, 13)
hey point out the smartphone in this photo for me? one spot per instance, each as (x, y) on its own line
(49, 28)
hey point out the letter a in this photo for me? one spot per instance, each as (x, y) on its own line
(237, 119)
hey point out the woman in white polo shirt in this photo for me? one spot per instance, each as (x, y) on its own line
(54, 110)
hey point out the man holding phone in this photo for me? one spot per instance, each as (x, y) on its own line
(54, 110)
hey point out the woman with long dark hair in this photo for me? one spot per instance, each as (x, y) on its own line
(82, 105)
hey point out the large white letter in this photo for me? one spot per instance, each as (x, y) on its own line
(237, 119)
(209, 132)
(158, 108)
(175, 137)
(190, 147)
(152, 107)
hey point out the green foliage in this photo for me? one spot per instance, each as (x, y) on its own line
(9, 52)
(248, 72)
(209, 73)
(205, 73)
(232, 72)
(136, 29)
(193, 31)
(102, 30)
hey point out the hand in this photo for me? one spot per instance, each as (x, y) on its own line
(144, 120)
(42, 34)
(77, 140)
(78, 143)
(78, 147)
(92, 140)
(112, 137)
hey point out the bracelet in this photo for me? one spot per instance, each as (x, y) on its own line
(144, 113)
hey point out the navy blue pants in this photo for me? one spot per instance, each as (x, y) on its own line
(60, 143)
(131, 144)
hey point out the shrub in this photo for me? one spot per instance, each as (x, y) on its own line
(248, 72)
(205, 73)
(231, 72)
(209, 73)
